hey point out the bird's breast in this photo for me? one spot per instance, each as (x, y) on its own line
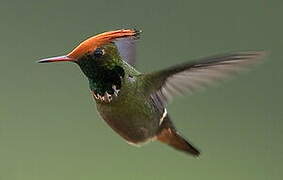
(131, 115)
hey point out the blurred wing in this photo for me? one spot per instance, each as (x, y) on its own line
(127, 49)
(189, 77)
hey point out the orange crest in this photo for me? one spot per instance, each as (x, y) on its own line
(98, 40)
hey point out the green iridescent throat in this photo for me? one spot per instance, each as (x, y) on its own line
(103, 70)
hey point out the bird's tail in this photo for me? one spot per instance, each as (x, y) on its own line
(170, 136)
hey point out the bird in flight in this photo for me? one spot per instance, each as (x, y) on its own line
(133, 103)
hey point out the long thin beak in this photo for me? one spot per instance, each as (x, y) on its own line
(56, 59)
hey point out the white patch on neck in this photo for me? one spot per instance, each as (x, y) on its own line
(107, 98)
(132, 79)
(116, 91)
(163, 116)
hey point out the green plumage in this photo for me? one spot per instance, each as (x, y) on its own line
(128, 114)
(133, 103)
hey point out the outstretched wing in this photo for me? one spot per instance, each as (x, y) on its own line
(127, 49)
(188, 77)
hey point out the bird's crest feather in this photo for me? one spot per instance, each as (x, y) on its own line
(101, 39)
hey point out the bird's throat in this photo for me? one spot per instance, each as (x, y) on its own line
(103, 77)
(108, 81)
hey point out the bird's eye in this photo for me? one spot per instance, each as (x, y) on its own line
(98, 52)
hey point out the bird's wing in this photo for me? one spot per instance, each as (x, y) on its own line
(188, 77)
(127, 49)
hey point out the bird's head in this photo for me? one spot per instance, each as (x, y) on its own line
(103, 50)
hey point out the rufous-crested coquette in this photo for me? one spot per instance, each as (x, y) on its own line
(134, 104)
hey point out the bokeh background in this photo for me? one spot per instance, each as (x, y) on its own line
(49, 128)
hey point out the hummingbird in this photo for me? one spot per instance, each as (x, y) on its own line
(134, 104)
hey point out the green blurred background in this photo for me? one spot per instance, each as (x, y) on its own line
(49, 128)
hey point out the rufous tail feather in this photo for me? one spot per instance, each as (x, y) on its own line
(174, 139)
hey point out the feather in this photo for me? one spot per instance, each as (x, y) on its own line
(192, 76)
(127, 49)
